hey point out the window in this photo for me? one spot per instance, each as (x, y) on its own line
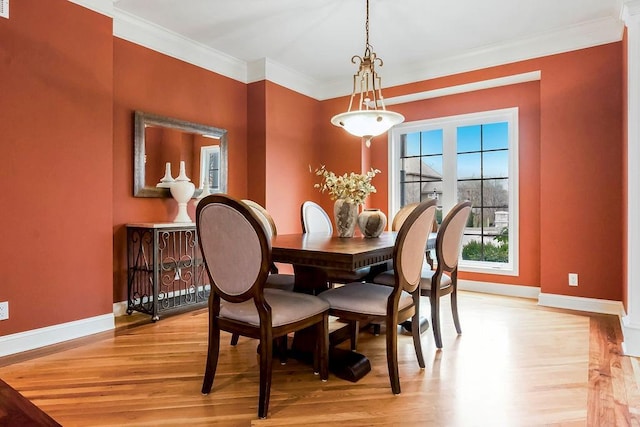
(468, 157)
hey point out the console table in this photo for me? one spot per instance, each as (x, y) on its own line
(164, 268)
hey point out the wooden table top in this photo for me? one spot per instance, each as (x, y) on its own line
(331, 252)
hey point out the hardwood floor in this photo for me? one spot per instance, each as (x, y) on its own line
(516, 364)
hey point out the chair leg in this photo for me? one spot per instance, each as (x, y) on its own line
(354, 327)
(322, 354)
(266, 358)
(392, 354)
(234, 339)
(454, 310)
(281, 345)
(212, 359)
(416, 331)
(429, 259)
(435, 320)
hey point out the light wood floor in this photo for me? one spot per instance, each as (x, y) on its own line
(516, 364)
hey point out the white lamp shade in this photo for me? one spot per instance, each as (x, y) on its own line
(367, 123)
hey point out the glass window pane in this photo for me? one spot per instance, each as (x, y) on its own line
(468, 138)
(495, 193)
(495, 136)
(410, 169)
(469, 166)
(432, 167)
(411, 144)
(432, 142)
(432, 190)
(495, 164)
(409, 193)
(470, 190)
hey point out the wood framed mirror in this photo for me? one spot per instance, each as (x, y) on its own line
(159, 140)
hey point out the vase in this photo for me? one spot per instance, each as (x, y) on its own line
(372, 222)
(346, 215)
(182, 190)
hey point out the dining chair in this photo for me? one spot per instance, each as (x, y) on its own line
(364, 301)
(399, 219)
(448, 247)
(316, 220)
(237, 254)
(275, 280)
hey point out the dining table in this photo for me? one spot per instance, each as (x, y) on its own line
(312, 256)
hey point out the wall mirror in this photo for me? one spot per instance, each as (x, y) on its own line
(160, 140)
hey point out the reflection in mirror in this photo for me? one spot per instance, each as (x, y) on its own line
(160, 140)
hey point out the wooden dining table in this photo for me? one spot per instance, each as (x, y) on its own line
(312, 256)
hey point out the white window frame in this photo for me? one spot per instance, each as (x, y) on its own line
(449, 125)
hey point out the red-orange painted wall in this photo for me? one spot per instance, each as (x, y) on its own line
(68, 90)
(155, 83)
(56, 150)
(570, 163)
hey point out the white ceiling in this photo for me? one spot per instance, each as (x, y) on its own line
(307, 45)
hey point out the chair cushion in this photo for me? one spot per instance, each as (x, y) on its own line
(286, 307)
(427, 275)
(365, 298)
(281, 281)
(387, 278)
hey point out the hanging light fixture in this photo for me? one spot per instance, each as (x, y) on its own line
(370, 118)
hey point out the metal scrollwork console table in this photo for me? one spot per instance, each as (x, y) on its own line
(164, 267)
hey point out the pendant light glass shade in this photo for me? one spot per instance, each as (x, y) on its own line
(370, 118)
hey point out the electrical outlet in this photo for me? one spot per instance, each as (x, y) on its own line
(4, 310)
(573, 279)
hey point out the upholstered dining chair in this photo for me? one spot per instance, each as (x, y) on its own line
(399, 219)
(316, 220)
(445, 276)
(275, 280)
(237, 254)
(361, 301)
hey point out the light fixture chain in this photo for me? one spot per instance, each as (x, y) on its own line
(366, 26)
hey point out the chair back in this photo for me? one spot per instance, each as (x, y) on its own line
(449, 240)
(315, 219)
(402, 215)
(265, 217)
(408, 253)
(234, 245)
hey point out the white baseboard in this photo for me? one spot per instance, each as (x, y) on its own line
(36, 338)
(592, 305)
(499, 289)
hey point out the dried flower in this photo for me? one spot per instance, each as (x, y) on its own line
(353, 187)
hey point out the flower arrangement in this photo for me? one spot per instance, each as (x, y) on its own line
(353, 187)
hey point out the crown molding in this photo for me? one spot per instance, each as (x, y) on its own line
(267, 69)
(147, 34)
(593, 33)
(154, 37)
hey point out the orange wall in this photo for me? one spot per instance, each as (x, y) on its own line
(570, 163)
(155, 83)
(581, 172)
(56, 151)
(68, 90)
(290, 149)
